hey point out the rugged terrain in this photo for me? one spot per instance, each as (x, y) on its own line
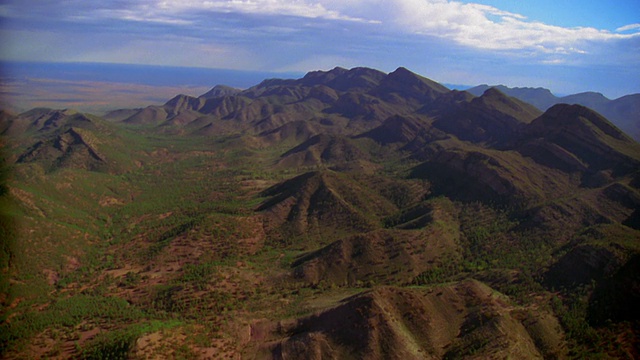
(624, 112)
(347, 214)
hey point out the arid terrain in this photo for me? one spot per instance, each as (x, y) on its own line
(347, 214)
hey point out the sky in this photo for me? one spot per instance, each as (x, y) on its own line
(564, 45)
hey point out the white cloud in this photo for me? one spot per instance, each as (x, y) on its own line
(628, 27)
(554, 62)
(472, 25)
(486, 27)
(469, 24)
(299, 8)
(138, 15)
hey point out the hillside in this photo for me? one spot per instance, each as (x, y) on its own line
(624, 112)
(350, 213)
(395, 323)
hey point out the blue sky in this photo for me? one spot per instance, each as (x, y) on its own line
(567, 46)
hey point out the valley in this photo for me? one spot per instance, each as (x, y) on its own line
(350, 213)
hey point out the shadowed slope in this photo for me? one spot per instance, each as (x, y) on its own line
(624, 111)
(551, 150)
(469, 174)
(492, 118)
(578, 139)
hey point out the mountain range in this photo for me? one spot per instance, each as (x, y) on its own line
(624, 111)
(350, 213)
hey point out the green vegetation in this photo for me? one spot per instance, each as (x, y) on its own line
(8, 230)
(439, 273)
(285, 209)
(118, 343)
(68, 312)
(585, 340)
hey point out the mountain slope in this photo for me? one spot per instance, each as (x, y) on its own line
(492, 117)
(541, 98)
(56, 139)
(323, 150)
(624, 111)
(73, 148)
(322, 200)
(589, 137)
(220, 91)
(397, 129)
(385, 256)
(393, 323)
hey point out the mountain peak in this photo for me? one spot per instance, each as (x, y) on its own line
(219, 91)
(572, 110)
(412, 85)
(493, 92)
(578, 117)
(410, 78)
(322, 77)
(493, 98)
(589, 99)
(184, 102)
(576, 138)
(336, 71)
(358, 78)
(403, 70)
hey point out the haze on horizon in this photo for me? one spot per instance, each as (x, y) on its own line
(568, 46)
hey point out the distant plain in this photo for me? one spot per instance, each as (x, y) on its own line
(99, 88)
